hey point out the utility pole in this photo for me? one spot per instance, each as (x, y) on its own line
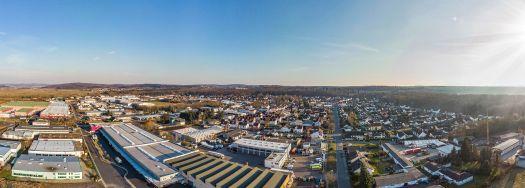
(488, 134)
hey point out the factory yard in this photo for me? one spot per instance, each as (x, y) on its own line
(241, 158)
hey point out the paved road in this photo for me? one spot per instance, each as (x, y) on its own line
(111, 175)
(343, 178)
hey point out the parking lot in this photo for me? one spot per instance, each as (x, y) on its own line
(300, 167)
(242, 158)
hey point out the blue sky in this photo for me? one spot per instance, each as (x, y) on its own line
(340, 43)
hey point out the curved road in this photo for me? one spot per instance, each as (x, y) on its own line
(343, 178)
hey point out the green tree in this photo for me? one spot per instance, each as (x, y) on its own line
(365, 179)
(485, 161)
(466, 153)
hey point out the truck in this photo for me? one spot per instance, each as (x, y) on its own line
(207, 146)
(118, 160)
(216, 154)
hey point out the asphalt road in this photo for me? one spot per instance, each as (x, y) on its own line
(111, 175)
(343, 178)
(123, 168)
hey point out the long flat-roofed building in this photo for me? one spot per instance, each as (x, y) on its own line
(8, 150)
(398, 159)
(197, 135)
(56, 109)
(204, 171)
(71, 136)
(44, 129)
(261, 147)
(147, 153)
(47, 167)
(56, 148)
(508, 148)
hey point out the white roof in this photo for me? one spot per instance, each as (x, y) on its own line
(145, 149)
(53, 145)
(504, 145)
(31, 162)
(261, 144)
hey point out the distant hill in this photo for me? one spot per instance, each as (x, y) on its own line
(114, 86)
(298, 90)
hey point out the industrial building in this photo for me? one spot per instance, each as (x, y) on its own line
(23, 132)
(196, 135)
(147, 153)
(260, 147)
(47, 167)
(411, 177)
(56, 109)
(8, 150)
(56, 148)
(507, 149)
(205, 171)
(44, 129)
(275, 160)
(18, 135)
(398, 159)
(71, 136)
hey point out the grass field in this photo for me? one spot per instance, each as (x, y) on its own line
(26, 103)
(10, 94)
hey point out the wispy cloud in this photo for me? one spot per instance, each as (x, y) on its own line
(49, 49)
(300, 69)
(3, 33)
(351, 46)
(15, 59)
(96, 58)
(112, 52)
(345, 46)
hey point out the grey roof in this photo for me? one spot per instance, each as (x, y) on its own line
(145, 149)
(56, 108)
(42, 128)
(30, 162)
(261, 144)
(504, 145)
(4, 150)
(54, 146)
(395, 154)
(400, 178)
(10, 143)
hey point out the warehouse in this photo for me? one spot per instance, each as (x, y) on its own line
(197, 135)
(507, 149)
(56, 109)
(398, 159)
(44, 129)
(205, 171)
(147, 153)
(18, 135)
(8, 150)
(56, 148)
(275, 160)
(71, 136)
(260, 147)
(47, 167)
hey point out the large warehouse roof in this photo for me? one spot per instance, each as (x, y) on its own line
(504, 145)
(56, 108)
(144, 148)
(31, 162)
(222, 173)
(261, 144)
